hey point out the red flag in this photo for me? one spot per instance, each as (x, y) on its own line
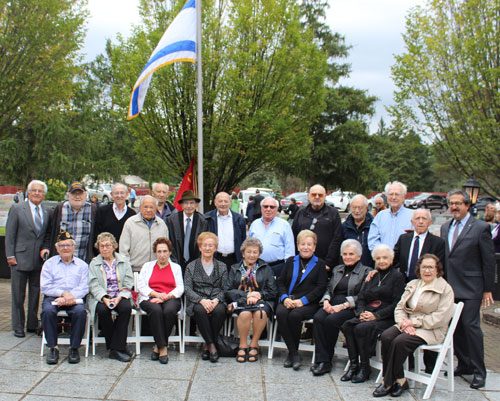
(186, 185)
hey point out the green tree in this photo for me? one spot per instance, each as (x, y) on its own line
(39, 41)
(262, 88)
(448, 84)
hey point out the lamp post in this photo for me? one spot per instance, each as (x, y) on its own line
(472, 187)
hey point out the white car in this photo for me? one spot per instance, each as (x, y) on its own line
(103, 192)
(244, 196)
(340, 199)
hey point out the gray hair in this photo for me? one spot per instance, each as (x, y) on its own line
(71, 239)
(116, 184)
(149, 197)
(352, 243)
(105, 236)
(269, 197)
(458, 192)
(382, 248)
(252, 242)
(403, 187)
(37, 182)
(429, 214)
(153, 187)
(362, 197)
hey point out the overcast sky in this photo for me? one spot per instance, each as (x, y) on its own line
(372, 27)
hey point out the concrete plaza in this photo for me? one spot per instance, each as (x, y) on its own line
(24, 375)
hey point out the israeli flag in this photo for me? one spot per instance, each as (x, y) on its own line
(178, 43)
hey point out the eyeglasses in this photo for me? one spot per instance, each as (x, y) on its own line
(268, 207)
(313, 224)
(119, 193)
(456, 203)
(428, 268)
(65, 246)
(105, 246)
(321, 196)
(37, 191)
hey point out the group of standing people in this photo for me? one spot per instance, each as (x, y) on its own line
(318, 268)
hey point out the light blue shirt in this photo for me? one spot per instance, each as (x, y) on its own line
(277, 239)
(386, 227)
(58, 277)
(457, 225)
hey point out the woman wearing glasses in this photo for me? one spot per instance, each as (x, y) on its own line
(325, 222)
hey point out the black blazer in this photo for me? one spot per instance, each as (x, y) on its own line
(432, 244)
(470, 265)
(311, 287)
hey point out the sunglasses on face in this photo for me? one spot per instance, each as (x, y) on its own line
(321, 196)
(269, 207)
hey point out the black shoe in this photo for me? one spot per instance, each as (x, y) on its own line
(363, 374)
(214, 356)
(19, 333)
(155, 355)
(296, 362)
(288, 362)
(399, 389)
(382, 391)
(31, 330)
(119, 356)
(351, 372)
(206, 355)
(313, 366)
(130, 352)
(74, 356)
(322, 368)
(459, 371)
(53, 356)
(477, 382)
(163, 359)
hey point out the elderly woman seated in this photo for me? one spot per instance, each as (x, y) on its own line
(374, 313)
(110, 282)
(251, 286)
(204, 283)
(339, 302)
(160, 286)
(422, 317)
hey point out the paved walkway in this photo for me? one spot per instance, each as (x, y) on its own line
(24, 375)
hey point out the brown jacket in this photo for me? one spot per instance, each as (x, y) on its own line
(433, 312)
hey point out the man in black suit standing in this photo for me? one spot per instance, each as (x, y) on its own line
(470, 270)
(412, 245)
(24, 233)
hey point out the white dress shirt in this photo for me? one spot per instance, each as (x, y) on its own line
(225, 233)
(119, 213)
(421, 239)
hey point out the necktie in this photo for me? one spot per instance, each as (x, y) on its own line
(38, 220)
(455, 235)
(414, 258)
(186, 239)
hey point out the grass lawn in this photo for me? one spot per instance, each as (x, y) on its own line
(2, 230)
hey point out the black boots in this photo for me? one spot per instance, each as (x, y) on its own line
(352, 371)
(363, 374)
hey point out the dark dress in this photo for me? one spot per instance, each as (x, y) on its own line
(379, 296)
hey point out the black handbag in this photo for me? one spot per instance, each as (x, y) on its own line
(227, 345)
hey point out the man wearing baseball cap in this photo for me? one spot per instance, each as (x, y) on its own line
(77, 217)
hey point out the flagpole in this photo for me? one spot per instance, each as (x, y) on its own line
(199, 111)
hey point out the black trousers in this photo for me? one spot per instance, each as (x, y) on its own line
(326, 329)
(77, 314)
(162, 318)
(468, 338)
(396, 346)
(290, 324)
(18, 281)
(210, 324)
(361, 337)
(228, 260)
(115, 331)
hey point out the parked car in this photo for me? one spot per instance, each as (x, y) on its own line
(103, 192)
(428, 201)
(245, 194)
(300, 198)
(340, 199)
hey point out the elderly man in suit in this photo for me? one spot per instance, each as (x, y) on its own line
(184, 228)
(24, 233)
(470, 270)
(230, 228)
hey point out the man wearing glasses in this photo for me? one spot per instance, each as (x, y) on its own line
(325, 221)
(470, 270)
(275, 234)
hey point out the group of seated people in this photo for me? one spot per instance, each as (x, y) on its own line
(363, 303)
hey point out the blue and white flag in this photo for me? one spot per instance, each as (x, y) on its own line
(178, 43)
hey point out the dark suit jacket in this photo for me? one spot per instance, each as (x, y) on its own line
(470, 265)
(432, 244)
(21, 239)
(312, 286)
(239, 229)
(175, 226)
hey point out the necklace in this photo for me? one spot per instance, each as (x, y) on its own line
(380, 280)
(303, 267)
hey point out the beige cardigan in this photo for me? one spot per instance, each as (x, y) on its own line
(433, 312)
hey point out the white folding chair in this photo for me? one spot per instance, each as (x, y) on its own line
(131, 339)
(66, 341)
(139, 338)
(282, 345)
(231, 326)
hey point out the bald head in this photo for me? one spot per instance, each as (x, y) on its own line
(421, 220)
(222, 202)
(316, 196)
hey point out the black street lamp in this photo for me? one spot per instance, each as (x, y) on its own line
(472, 187)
